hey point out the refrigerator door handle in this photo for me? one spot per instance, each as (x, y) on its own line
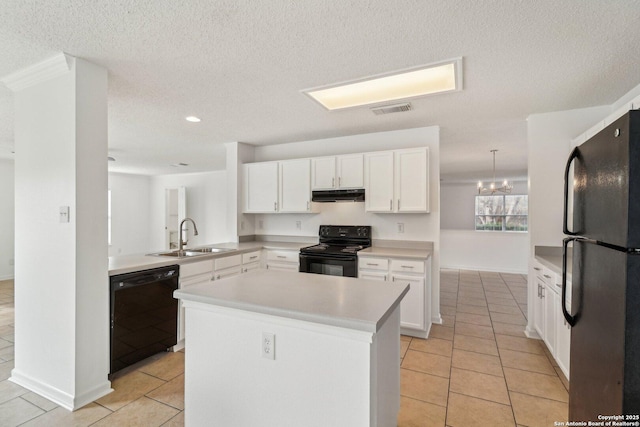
(574, 155)
(571, 320)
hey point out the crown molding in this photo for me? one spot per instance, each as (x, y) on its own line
(37, 73)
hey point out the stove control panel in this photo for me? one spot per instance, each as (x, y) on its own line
(348, 231)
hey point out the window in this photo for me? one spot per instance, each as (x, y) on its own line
(502, 212)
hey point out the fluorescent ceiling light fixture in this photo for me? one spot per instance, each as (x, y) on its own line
(192, 119)
(425, 80)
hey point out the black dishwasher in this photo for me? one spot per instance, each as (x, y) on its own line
(144, 315)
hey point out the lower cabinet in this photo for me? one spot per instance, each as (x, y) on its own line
(415, 308)
(548, 321)
(282, 260)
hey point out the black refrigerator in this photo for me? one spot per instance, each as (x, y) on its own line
(605, 293)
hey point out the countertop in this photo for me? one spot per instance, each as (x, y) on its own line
(337, 301)
(130, 263)
(551, 258)
(384, 252)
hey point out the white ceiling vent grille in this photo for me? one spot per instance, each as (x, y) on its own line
(393, 108)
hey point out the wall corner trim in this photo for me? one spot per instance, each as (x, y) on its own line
(49, 68)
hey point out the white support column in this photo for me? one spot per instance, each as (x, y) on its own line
(61, 259)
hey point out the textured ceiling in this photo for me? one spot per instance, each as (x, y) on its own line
(240, 66)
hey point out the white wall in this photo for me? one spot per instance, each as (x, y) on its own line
(206, 205)
(6, 219)
(484, 250)
(130, 212)
(457, 201)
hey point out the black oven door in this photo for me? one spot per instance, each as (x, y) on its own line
(327, 264)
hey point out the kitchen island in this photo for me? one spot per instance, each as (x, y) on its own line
(275, 348)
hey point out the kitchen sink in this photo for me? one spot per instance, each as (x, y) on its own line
(192, 252)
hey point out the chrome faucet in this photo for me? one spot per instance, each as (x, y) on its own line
(195, 232)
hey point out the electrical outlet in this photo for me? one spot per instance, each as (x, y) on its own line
(401, 227)
(261, 224)
(268, 346)
(298, 225)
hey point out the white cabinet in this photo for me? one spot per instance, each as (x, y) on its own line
(191, 274)
(538, 304)
(277, 187)
(295, 186)
(551, 308)
(228, 266)
(261, 187)
(282, 260)
(563, 334)
(415, 309)
(337, 172)
(250, 261)
(397, 181)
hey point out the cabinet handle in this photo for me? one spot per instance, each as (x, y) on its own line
(542, 291)
(267, 266)
(370, 263)
(547, 276)
(275, 206)
(307, 205)
(385, 277)
(390, 205)
(539, 291)
(253, 257)
(407, 266)
(537, 268)
(218, 277)
(246, 269)
(333, 182)
(398, 204)
(339, 181)
(281, 256)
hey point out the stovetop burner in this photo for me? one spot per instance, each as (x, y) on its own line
(341, 240)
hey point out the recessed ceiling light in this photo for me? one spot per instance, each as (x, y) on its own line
(192, 119)
(411, 83)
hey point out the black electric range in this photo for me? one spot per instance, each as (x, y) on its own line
(336, 254)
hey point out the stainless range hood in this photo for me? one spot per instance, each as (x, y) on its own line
(324, 196)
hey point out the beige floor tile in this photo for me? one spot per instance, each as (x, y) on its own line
(142, 412)
(7, 354)
(405, 338)
(449, 302)
(562, 376)
(513, 319)
(5, 369)
(498, 292)
(482, 386)
(477, 362)
(476, 293)
(9, 390)
(478, 345)
(433, 364)
(39, 401)
(166, 366)
(172, 393)
(433, 345)
(449, 310)
(475, 319)
(448, 320)
(465, 411)
(526, 361)
(472, 301)
(472, 309)
(502, 300)
(536, 411)
(128, 388)
(507, 309)
(177, 421)
(474, 330)
(441, 332)
(415, 413)
(17, 411)
(507, 342)
(425, 387)
(535, 384)
(509, 329)
(85, 416)
(404, 346)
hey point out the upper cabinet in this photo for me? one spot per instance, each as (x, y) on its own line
(397, 181)
(337, 172)
(278, 187)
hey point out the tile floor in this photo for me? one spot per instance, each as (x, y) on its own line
(477, 369)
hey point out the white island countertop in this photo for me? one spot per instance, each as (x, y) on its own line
(336, 301)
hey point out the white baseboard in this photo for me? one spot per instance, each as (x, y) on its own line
(531, 333)
(9, 277)
(476, 268)
(57, 396)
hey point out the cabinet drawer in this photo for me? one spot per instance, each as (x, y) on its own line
(372, 275)
(195, 280)
(195, 268)
(226, 262)
(250, 266)
(251, 257)
(283, 256)
(407, 266)
(373, 263)
(229, 272)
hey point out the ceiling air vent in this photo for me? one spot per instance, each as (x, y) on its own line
(393, 108)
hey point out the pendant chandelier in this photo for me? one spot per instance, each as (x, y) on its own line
(492, 189)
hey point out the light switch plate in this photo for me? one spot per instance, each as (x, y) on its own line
(64, 213)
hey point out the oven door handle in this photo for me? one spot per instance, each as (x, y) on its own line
(325, 257)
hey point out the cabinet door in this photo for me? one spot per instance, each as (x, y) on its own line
(227, 272)
(372, 275)
(261, 187)
(563, 343)
(185, 283)
(323, 173)
(412, 180)
(412, 305)
(295, 186)
(538, 308)
(551, 306)
(251, 266)
(282, 267)
(378, 181)
(350, 171)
